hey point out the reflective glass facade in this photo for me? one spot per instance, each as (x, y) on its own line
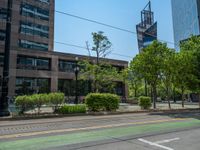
(34, 12)
(67, 66)
(1, 60)
(3, 13)
(26, 86)
(30, 63)
(147, 28)
(185, 19)
(34, 29)
(2, 35)
(33, 45)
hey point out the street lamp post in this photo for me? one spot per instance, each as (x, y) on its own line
(76, 71)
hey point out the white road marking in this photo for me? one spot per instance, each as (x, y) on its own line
(155, 144)
(167, 141)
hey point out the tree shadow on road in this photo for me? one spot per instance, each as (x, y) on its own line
(195, 114)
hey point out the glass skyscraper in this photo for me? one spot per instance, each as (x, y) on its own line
(185, 19)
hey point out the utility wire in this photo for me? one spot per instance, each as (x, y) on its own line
(82, 47)
(107, 25)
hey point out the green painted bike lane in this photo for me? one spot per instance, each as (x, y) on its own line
(51, 141)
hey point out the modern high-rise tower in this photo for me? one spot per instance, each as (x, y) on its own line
(186, 21)
(147, 28)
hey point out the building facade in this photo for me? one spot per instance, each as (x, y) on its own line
(147, 28)
(34, 66)
(186, 22)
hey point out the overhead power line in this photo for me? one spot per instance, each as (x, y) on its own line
(107, 25)
(85, 48)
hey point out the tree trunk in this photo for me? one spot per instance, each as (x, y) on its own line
(154, 96)
(182, 95)
(135, 92)
(145, 87)
(174, 94)
(199, 99)
(168, 100)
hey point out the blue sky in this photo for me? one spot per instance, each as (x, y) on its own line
(120, 13)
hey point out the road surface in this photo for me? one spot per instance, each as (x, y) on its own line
(115, 132)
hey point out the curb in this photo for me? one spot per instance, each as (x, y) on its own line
(46, 116)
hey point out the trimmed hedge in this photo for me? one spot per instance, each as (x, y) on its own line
(102, 102)
(71, 109)
(25, 103)
(145, 102)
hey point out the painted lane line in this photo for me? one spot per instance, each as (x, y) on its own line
(155, 144)
(87, 128)
(167, 141)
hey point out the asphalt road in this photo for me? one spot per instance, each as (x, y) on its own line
(120, 132)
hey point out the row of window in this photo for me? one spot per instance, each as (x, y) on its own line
(26, 86)
(31, 63)
(34, 12)
(44, 1)
(33, 45)
(2, 35)
(34, 29)
(3, 13)
(66, 66)
(1, 60)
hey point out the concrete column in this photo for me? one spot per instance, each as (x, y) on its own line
(54, 75)
(12, 73)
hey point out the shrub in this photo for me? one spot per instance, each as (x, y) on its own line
(70, 109)
(99, 102)
(56, 99)
(39, 100)
(24, 103)
(145, 102)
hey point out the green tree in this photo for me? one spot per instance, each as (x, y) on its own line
(99, 73)
(149, 64)
(134, 80)
(168, 72)
(104, 81)
(192, 45)
(183, 72)
(101, 45)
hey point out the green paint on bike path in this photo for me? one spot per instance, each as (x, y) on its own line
(39, 143)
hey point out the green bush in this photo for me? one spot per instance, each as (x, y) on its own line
(56, 99)
(145, 102)
(101, 102)
(39, 100)
(70, 109)
(24, 103)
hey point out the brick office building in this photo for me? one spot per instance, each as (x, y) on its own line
(34, 66)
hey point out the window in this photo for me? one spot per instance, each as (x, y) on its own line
(33, 45)
(34, 12)
(26, 86)
(1, 60)
(43, 64)
(68, 87)
(2, 35)
(3, 13)
(34, 29)
(44, 1)
(29, 63)
(66, 66)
